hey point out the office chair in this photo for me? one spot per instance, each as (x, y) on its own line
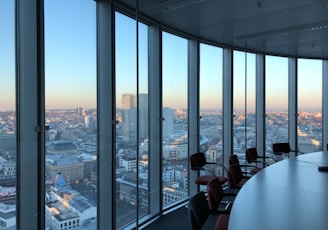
(250, 169)
(222, 222)
(215, 196)
(283, 148)
(198, 163)
(198, 213)
(236, 177)
(252, 157)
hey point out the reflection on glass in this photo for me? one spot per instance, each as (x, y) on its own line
(7, 116)
(309, 130)
(244, 127)
(175, 123)
(276, 89)
(70, 88)
(132, 129)
(210, 93)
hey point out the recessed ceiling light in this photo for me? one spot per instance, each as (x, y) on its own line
(181, 4)
(285, 31)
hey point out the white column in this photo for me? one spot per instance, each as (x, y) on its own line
(227, 104)
(260, 104)
(155, 120)
(193, 106)
(292, 103)
(325, 104)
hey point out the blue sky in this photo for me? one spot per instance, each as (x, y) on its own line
(70, 64)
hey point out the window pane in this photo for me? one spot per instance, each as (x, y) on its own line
(70, 91)
(175, 124)
(276, 90)
(126, 112)
(309, 105)
(132, 112)
(7, 115)
(244, 129)
(210, 93)
(144, 193)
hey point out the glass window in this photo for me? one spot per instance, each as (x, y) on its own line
(210, 93)
(276, 103)
(71, 113)
(244, 125)
(132, 181)
(7, 112)
(309, 105)
(175, 123)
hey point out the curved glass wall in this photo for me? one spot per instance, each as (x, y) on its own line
(71, 89)
(309, 130)
(175, 119)
(7, 115)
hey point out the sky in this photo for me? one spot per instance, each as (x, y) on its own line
(70, 64)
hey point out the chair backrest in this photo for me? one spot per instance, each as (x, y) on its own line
(197, 160)
(276, 148)
(251, 155)
(235, 174)
(198, 211)
(233, 159)
(281, 147)
(215, 194)
(285, 147)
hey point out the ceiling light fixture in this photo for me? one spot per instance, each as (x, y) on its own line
(181, 4)
(284, 32)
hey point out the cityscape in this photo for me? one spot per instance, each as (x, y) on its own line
(71, 158)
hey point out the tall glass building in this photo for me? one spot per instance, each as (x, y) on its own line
(102, 102)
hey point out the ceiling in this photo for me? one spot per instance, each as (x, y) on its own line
(296, 28)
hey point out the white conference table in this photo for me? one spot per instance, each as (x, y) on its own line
(287, 195)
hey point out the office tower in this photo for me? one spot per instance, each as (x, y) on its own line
(168, 122)
(80, 111)
(143, 116)
(129, 117)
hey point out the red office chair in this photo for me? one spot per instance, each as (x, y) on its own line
(252, 157)
(222, 222)
(236, 178)
(283, 148)
(198, 163)
(250, 169)
(215, 196)
(198, 213)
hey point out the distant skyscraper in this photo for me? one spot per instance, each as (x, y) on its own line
(129, 117)
(80, 111)
(143, 116)
(128, 101)
(168, 122)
